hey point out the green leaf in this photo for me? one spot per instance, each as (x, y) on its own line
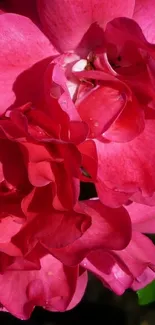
(147, 294)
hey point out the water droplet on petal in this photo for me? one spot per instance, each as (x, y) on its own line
(96, 124)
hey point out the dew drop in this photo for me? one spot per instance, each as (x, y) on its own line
(91, 118)
(96, 124)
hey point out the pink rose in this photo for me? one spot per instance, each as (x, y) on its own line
(40, 254)
(99, 90)
(76, 104)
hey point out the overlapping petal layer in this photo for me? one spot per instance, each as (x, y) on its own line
(83, 115)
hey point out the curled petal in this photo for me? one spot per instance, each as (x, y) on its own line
(60, 18)
(138, 255)
(142, 217)
(52, 287)
(110, 229)
(144, 279)
(106, 268)
(47, 225)
(100, 108)
(129, 124)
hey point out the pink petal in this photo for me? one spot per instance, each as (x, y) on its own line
(48, 226)
(100, 108)
(61, 21)
(125, 167)
(139, 254)
(111, 197)
(121, 30)
(52, 286)
(148, 200)
(143, 14)
(54, 164)
(57, 93)
(56, 88)
(128, 124)
(110, 228)
(9, 226)
(122, 116)
(129, 267)
(105, 266)
(22, 46)
(80, 289)
(142, 217)
(144, 279)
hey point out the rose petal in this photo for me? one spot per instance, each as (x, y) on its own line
(143, 15)
(52, 286)
(139, 254)
(60, 18)
(126, 167)
(48, 226)
(20, 52)
(105, 266)
(99, 108)
(142, 217)
(110, 228)
(80, 289)
(144, 279)
(128, 124)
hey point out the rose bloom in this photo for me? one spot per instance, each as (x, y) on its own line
(76, 104)
(99, 71)
(40, 216)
